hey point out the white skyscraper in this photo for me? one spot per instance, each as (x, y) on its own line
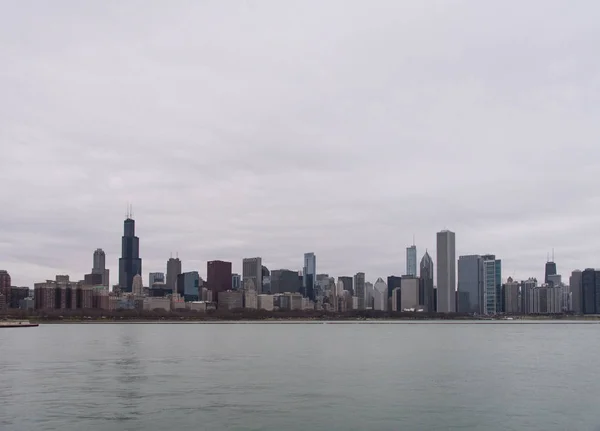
(138, 285)
(380, 295)
(411, 260)
(446, 272)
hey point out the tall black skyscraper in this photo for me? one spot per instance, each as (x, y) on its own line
(426, 283)
(550, 270)
(130, 263)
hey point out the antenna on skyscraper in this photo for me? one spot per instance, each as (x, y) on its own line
(548, 257)
(130, 210)
(413, 239)
(552, 254)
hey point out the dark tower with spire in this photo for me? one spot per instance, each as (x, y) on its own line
(550, 268)
(130, 263)
(426, 294)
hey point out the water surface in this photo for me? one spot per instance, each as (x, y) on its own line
(278, 377)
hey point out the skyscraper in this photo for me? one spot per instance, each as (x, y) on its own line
(576, 293)
(411, 260)
(130, 263)
(492, 284)
(359, 289)
(173, 270)
(348, 284)
(446, 271)
(99, 266)
(549, 270)
(218, 277)
(252, 270)
(380, 295)
(309, 274)
(426, 280)
(590, 287)
(137, 285)
(470, 284)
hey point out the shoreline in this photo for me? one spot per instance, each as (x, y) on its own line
(324, 322)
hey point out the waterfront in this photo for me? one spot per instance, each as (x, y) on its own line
(396, 375)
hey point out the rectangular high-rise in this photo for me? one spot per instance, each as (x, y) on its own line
(446, 272)
(588, 288)
(252, 271)
(576, 293)
(470, 284)
(492, 285)
(309, 274)
(218, 277)
(173, 270)
(411, 260)
(285, 280)
(359, 289)
(348, 284)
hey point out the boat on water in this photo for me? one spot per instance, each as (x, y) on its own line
(17, 324)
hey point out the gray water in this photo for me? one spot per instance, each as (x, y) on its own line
(300, 377)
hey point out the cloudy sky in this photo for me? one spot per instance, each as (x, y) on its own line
(270, 128)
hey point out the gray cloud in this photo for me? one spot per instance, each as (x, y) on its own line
(273, 129)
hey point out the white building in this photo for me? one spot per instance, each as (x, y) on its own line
(152, 303)
(137, 285)
(380, 295)
(265, 302)
(409, 289)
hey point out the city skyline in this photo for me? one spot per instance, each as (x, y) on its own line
(130, 227)
(317, 139)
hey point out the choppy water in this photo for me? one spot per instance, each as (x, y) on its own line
(300, 377)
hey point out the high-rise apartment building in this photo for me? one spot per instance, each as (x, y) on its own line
(576, 292)
(470, 284)
(309, 274)
(359, 290)
(173, 271)
(252, 270)
(218, 277)
(99, 267)
(426, 280)
(5, 283)
(492, 284)
(411, 260)
(446, 271)
(511, 297)
(130, 263)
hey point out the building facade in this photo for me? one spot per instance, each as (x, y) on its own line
(348, 283)
(219, 277)
(99, 267)
(173, 271)
(252, 270)
(492, 285)
(576, 292)
(511, 297)
(285, 280)
(189, 285)
(426, 280)
(359, 290)
(411, 260)
(470, 284)
(309, 274)
(156, 277)
(446, 271)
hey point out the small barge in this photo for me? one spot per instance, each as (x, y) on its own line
(17, 324)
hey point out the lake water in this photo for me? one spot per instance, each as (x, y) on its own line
(279, 377)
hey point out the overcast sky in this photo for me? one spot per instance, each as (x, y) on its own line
(273, 128)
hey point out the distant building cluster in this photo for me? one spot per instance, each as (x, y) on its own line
(471, 284)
